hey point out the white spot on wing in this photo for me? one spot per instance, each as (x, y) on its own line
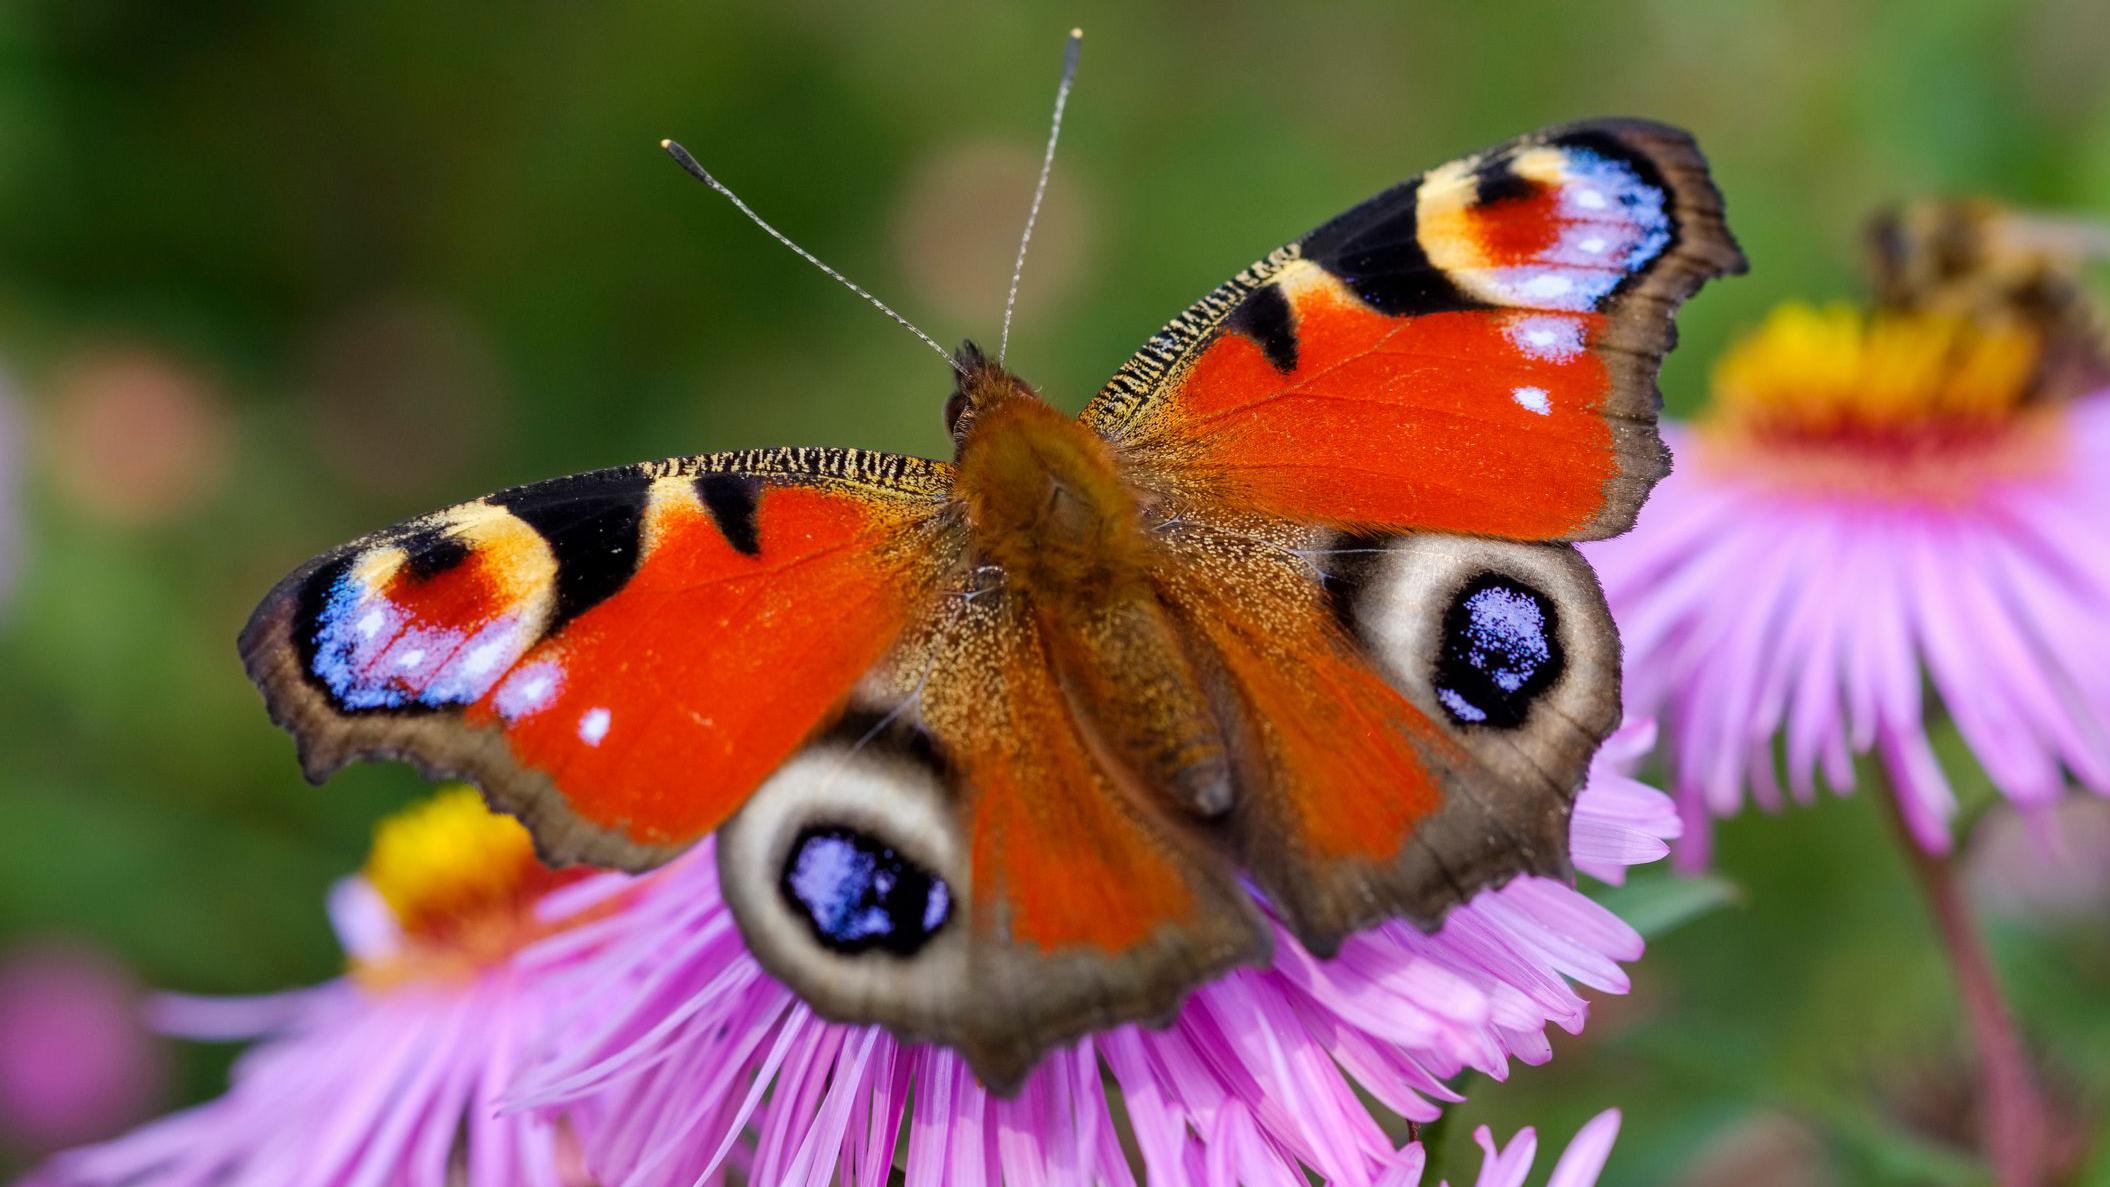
(1589, 199)
(1547, 338)
(593, 726)
(1533, 398)
(411, 658)
(528, 690)
(485, 656)
(371, 622)
(1547, 285)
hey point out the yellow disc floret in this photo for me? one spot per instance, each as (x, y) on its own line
(1905, 404)
(1812, 371)
(447, 857)
(461, 880)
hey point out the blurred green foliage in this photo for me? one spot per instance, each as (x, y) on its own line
(401, 253)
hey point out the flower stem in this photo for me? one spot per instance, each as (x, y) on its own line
(2013, 1119)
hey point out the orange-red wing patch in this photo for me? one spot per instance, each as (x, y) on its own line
(1443, 421)
(1090, 898)
(1064, 854)
(658, 709)
(618, 658)
(1473, 351)
(1343, 773)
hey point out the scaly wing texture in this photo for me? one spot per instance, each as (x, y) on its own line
(618, 658)
(1419, 712)
(1472, 351)
(1067, 897)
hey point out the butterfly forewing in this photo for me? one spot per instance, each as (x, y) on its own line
(1474, 350)
(617, 658)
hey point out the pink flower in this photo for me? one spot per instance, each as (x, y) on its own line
(76, 1061)
(1501, 1166)
(385, 1077)
(678, 1054)
(1875, 502)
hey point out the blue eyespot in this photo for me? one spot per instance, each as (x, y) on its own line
(859, 894)
(1500, 651)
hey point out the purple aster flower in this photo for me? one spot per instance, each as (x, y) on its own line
(1876, 502)
(389, 1076)
(1506, 1166)
(679, 1054)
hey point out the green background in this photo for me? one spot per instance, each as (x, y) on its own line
(403, 253)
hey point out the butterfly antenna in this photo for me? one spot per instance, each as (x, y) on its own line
(1040, 188)
(681, 157)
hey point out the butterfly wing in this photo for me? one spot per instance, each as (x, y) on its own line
(1474, 350)
(1369, 451)
(1419, 711)
(956, 861)
(617, 658)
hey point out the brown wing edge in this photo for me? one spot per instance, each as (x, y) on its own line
(440, 745)
(1641, 328)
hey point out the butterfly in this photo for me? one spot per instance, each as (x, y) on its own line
(1000, 750)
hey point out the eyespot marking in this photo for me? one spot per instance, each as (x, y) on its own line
(1501, 650)
(858, 893)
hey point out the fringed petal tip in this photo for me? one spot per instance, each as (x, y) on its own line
(642, 1045)
(677, 1044)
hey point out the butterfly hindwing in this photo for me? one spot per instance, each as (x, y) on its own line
(1417, 710)
(618, 657)
(1473, 351)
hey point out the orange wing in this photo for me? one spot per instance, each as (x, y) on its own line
(617, 658)
(1472, 351)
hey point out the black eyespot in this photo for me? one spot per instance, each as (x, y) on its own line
(955, 407)
(1501, 649)
(859, 894)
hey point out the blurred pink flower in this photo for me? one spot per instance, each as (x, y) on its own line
(1506, 1166)
(77, 1062)
(1876, 501)
(676, 1047)
(2064, 877)
(136, 435)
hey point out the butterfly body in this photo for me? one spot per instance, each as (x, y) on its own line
(1059, 529)
(999, 751)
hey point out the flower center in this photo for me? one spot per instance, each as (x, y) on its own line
(462, 882)
(1910, 404)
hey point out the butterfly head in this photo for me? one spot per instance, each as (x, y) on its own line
(980, 383)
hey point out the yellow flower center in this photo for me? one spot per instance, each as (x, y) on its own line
(462, 882)
(1909, 404)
